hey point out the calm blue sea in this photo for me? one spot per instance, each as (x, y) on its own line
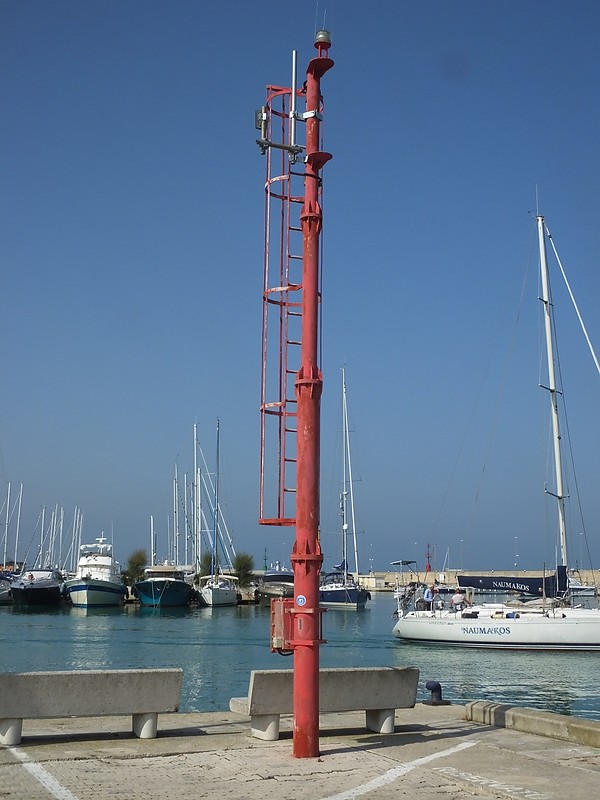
(218, 647)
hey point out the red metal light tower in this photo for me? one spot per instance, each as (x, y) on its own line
(291, 386)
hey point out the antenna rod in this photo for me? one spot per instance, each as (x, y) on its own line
(293, 105)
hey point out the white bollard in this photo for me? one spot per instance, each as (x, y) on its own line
(145, 725)
(10, 731)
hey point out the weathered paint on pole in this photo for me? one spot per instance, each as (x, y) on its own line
(306, 555)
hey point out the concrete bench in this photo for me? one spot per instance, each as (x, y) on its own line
(378, 691)
(143, 693)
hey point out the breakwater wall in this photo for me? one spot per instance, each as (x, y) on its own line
(387, 581)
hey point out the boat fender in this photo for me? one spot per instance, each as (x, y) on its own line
(436, 695)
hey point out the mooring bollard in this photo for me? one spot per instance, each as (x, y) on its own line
(436, 695)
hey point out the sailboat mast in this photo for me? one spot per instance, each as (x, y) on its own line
(216, 517)
(348, 474)
(560, 498)
(176, 515)
(6, 526)
(40, 557)
(186, 519)
(18, 527)
(152, 541)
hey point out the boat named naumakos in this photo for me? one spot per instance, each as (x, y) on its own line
(546, 623)
(532, 625)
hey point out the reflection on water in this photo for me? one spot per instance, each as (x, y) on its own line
(77, 611)
(217, 648)
(559, 682)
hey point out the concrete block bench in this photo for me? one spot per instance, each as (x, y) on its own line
(143, 693)
(378, 691)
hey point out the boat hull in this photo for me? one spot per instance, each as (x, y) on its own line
(343, 597)
(273, 591)
(5, 593)
(94, 592)
(26, 595)
(164, 593)
(542, 631)
(37, 587)
(218, 596)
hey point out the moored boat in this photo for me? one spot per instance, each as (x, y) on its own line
(218, 590)
(37, 587)
(537, 625)
(5, 592)
(97, 580)
(163, 585)
(340, 588)
(274, 584)
(541, 624)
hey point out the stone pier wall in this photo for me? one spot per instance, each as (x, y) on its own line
(386, 581)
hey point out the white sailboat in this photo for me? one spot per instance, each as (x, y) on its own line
(340, 588)
(217, 589)
(540, 624)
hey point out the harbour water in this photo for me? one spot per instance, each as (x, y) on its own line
(217, 648)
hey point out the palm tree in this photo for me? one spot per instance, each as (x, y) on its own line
(135, 566)
(243, 567)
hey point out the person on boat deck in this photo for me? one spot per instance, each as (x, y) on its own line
(428, 597)
(459, 601)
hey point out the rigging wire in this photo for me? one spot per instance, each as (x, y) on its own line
(579, 317)
(565, 415)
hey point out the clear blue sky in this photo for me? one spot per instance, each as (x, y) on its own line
(131, 219)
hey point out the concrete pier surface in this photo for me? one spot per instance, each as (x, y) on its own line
(436, 751)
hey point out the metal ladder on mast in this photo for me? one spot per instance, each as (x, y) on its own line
(282, 302)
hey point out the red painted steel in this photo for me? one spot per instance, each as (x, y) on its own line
(306, 555)
(282, 311)
(291, 380)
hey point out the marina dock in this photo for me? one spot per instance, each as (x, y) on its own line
(435, 751)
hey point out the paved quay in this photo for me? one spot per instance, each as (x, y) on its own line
(435, 752)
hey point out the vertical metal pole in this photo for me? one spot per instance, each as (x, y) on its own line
(306, 555)
(558, 472)
(293, 100)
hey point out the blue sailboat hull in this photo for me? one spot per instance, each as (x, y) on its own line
(343, 597)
